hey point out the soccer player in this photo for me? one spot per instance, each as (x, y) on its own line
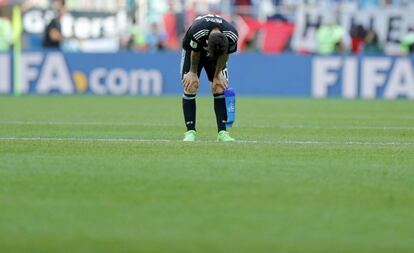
(207, 44)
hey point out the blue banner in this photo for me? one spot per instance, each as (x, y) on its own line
(127, 73)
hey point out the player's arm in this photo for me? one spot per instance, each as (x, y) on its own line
(195, 60)
(55, 35)
(219, 79)
(53, 32)
(190, 80)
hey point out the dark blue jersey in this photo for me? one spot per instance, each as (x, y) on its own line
(47, 41)
(196, 37)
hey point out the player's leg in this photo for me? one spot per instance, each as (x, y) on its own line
(219, 104)
(189, 100)
(219, 107)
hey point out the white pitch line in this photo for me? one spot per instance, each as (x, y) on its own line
(280, 142)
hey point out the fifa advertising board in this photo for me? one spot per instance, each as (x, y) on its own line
(100, 74)
(128, 73)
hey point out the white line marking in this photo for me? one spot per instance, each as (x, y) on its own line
(280, 142)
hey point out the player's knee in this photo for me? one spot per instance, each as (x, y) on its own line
(193, 89)
(216, 89)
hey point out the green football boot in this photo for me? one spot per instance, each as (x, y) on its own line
(190, 136)
(224, 136)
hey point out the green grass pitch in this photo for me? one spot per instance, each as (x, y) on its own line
(110, 174)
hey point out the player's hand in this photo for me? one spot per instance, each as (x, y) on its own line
(220, 81)
(191, 82)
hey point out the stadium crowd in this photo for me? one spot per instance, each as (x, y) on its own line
(266, 25)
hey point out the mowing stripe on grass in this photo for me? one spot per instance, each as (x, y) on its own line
(288, 126)
(349, 127)
(280, 142)
(87, 123)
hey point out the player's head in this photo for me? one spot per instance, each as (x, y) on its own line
(60, 8)
(217, 45)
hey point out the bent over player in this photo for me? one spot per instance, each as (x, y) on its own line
(207, 44)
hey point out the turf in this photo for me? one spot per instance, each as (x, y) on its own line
(110, 174)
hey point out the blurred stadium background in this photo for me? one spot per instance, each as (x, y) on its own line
(367, 39)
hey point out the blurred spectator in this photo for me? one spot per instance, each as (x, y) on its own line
(266, 8)
(174, 26)
(243, 7)
(329, 37)
(28, 4)
(371, 43)
(5, 34)
(357, 38)
(155, 38)
(252, 43)
(407, 42)
(368, 4)
(136, 40)
(53, 33)
(190, 15)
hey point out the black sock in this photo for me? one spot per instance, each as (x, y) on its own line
(189, 109)
(220, 110)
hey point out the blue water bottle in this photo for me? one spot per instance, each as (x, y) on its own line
(230, 97)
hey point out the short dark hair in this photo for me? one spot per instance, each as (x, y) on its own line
(218, 44)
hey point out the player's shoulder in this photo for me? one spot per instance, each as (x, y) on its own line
(232, 36)
(199, 25)
(231, 32)
(227, 26)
